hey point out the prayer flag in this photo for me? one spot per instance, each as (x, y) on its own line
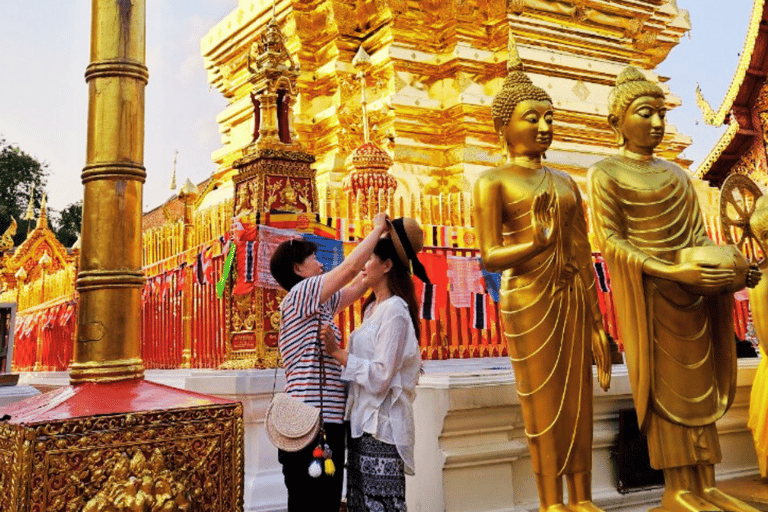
(269, 239)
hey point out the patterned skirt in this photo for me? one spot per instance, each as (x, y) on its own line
(375, 476)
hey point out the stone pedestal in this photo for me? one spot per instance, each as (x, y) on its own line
(471, 452)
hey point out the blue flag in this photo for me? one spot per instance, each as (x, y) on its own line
(492, 283)
(329, 252)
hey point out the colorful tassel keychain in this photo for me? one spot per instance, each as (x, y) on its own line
(322, 460)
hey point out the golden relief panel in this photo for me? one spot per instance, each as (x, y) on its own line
(176, 460)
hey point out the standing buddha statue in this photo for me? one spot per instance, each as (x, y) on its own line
(671, 285)
(531, 225)
(758, 302)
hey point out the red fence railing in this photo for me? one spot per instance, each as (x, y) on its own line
(44, 336)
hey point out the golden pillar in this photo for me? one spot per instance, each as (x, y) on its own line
(108, 344)
(187, 195)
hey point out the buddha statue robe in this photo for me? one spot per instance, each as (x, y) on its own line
(680, 350)
(548, 307)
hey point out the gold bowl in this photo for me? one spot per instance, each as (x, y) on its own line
(724, 256)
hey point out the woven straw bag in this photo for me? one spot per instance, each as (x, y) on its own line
(291, 423)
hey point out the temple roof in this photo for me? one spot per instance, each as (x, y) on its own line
(736, 107)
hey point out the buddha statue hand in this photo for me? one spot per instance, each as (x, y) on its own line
(601, 350)
(544, 219)
(706, 276)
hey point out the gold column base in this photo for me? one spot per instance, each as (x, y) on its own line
(109, 371)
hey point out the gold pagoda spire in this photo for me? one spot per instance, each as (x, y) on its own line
(42, 220)
(173, 175)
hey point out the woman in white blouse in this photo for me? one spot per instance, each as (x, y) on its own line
(382, 365)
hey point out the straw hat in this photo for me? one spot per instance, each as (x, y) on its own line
(408, 239)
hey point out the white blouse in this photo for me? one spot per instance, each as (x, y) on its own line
(383, 369)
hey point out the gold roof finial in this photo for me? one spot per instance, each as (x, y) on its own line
(42, 220)
(189, 191)
(362, 62)
(30, 213)
(514, 62)
(173, 175)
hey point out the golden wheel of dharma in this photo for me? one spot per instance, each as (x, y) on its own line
(738, 196)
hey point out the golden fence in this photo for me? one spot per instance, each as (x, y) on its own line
(446, 209)
(48, 288)
(166, 241)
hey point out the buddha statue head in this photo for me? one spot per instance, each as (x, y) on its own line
(636, 111)
(522, 115)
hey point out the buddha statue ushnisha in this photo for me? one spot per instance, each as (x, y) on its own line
(671, 286)
(531, 225)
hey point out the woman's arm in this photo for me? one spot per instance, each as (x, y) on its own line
(352, 292)
(337, 278)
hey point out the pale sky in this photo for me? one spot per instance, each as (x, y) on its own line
(44, 50)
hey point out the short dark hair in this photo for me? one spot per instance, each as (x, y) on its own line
(288, 254)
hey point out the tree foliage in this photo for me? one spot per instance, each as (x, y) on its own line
(19, 174)
(67, 227)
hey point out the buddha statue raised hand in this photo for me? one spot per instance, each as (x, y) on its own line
(530, 224)
(671, 287)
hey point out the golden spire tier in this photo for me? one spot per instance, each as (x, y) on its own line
(110, 280)
(434, 68)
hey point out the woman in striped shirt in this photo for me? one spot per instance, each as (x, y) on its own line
(313, 299)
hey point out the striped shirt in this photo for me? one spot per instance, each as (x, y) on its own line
(302, 314)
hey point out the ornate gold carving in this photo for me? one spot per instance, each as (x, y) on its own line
(6, 242)
(172, 460)
(714, 154)
(138, 485)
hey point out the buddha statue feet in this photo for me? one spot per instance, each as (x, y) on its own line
(725, 501)
(584, 506)
(686, 501)
(557, 507)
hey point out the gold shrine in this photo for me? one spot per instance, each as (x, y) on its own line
(434, 67)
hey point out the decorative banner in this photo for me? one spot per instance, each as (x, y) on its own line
(66, 314)
(479, 311)
(246, 261)
(465, 277)
(182, 278)
(330, 252)
(269, 239)
(204, 266)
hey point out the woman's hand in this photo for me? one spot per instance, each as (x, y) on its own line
(544, 219)
(381, 221)
(702, 275)
(328, 337)
(601, 350)
(753, 276)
